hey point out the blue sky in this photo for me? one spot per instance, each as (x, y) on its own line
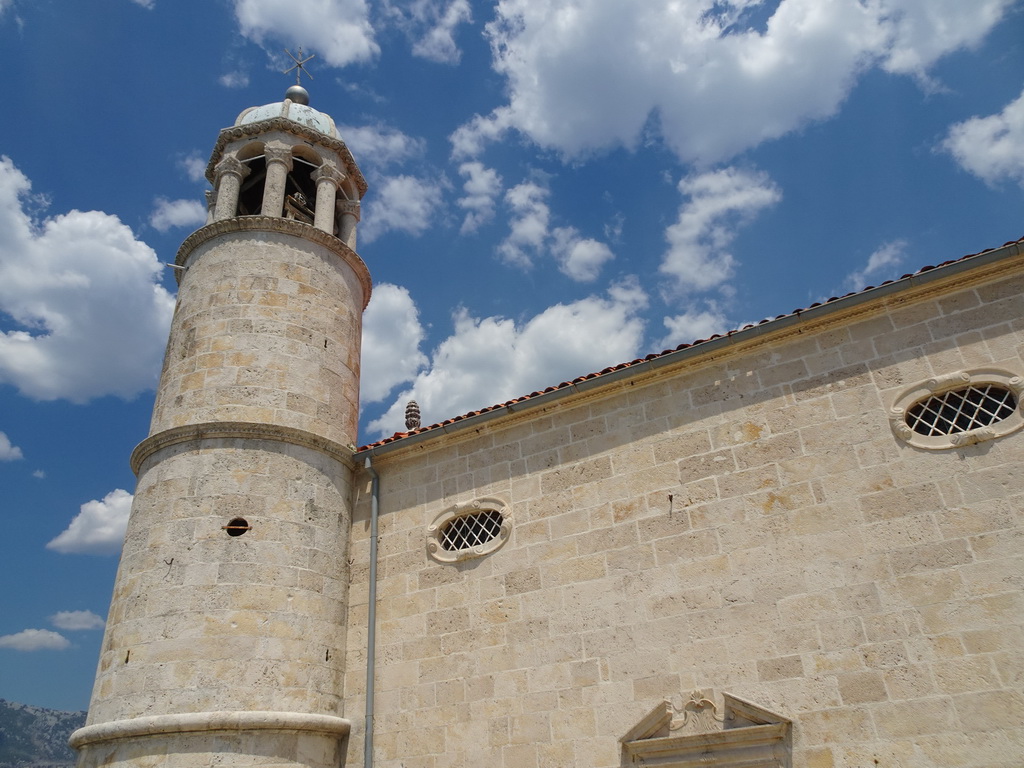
(555, 186)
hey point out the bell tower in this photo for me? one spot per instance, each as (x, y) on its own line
(226, 634)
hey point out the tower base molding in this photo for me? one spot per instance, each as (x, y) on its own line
(236, 738)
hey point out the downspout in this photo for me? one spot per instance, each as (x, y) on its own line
(371, 619)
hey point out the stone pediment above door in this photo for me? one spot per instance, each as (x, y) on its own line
(698, 734)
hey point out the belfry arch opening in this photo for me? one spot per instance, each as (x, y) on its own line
(250, 195)
(300, 190)
(299, 193)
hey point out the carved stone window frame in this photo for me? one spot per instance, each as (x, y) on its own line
(959, 380)
(482, 504)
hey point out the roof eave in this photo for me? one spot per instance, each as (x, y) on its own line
(462, 424)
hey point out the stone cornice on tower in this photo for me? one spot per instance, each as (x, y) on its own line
(200, 722)
(284, 227)
(263, 127)
(227, 430)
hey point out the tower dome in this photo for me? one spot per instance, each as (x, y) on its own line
(295, 107)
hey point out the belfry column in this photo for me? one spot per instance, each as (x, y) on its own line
(349, 212)
(228, 174)
(225, 641)
(279, 163)
(328, 179)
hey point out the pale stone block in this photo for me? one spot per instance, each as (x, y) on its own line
(930, 556)
(837, 726)
(978, 518)
(574, 570)
(885, 655)
(795, 609)
(910, 682)
(860, 599)
(690, 545)
(994, 576)
(888, 626)
(862, 687)
(915, 499)
(774, 375)
(931, 715)
(749, 481)
(780, 668)
(768, 450)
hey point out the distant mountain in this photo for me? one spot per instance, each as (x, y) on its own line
(33, 737)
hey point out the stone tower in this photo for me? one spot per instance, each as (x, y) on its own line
(226, 632)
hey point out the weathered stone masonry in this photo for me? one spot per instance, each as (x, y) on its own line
(745, 521)
(738, 553)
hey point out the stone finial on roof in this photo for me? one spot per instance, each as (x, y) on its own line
(412, 415)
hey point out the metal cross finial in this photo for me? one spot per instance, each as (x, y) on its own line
(298, 68)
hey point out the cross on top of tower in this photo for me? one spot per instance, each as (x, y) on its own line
(298, 67)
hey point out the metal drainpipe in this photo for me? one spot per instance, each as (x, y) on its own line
(371, 619)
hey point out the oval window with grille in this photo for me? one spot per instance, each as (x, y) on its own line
(960, 409)
(469, 530)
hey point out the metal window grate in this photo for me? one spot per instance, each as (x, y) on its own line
(961, 410)
(470, 530)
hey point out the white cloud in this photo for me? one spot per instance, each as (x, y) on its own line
(145, 3)
(39, 474)
(718, 202)
(470, 139)
(337, 30)
(234, 79)
(77, 620)
(716, 85)
(579, 258)
(380, 145)
(438, 42)
(168, 214)
(992, 148)
(403, 204)
(8, 452)
(194, 166)
(882, 265)
(482, 186)
(35, 640)
(494, 359)
(430, 25)
(530, 236)
(693, 325)
(529, 225)
(98, 529)
(87, 293)
(400, 202)
(923, 31)
(391, 342)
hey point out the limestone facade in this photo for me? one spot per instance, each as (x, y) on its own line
(734, 554)
(742, 518)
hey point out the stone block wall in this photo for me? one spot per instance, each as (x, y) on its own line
(266, 330)
(748, 522)
(202, 621)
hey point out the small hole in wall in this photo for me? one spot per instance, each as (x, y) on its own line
(237, 527)
(327, 656)
(325, 343)
(126, 656)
